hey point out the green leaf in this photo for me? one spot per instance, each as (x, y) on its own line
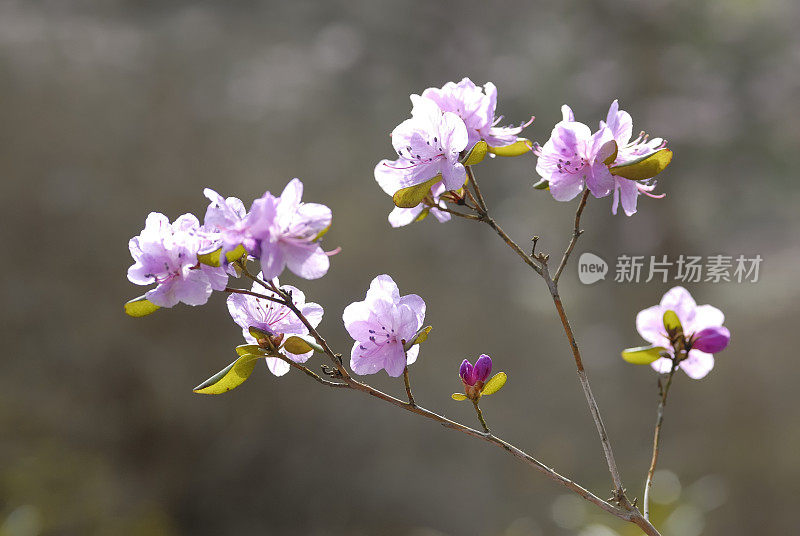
(645, 167)
(140, 306)
(245, 349)
(458, 396)
(518, 148)
(420, 337)
(543, 184)
(672, 323)
(477, 154)
(494, 384)
(413, 195)
(642, 355)
(230, 377)
(212, 259)
(301, 344)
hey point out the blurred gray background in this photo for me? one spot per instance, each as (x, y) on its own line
(109, 110)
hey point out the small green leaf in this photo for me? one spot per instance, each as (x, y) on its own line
(420, 337)
(245, 349)
(642, 355)
(477, 154)
(301, 344)
(494, 384)
(645, 167)
(259, 334)
(518, 148)
(671, 322)
(543, 184)
(140, 306)
(212, 259)
(458, 396)
(230, 377)
(413, 195)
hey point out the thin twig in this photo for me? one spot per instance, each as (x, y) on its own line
(408, 387)
(256, 294)
(311, 373)
(459, 214)
(474, 181)
(480, 416)
(575, 234)
(584, 380)
(656, 438)
(513, 245)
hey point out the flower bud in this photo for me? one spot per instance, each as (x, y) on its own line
(711, 340)
(467, 373)
(483, 368)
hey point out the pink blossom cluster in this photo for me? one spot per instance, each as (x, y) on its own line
(575, 158)
(282, 232)
(445, 125)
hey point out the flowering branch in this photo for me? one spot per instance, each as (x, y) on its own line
(450, 130)
(657, 437)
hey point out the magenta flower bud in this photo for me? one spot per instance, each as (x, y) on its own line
(467, 373)
(712, 340)
(483, 367)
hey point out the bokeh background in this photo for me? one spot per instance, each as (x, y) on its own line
(110, 110)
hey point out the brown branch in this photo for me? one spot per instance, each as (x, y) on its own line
(656, 439)
(311, 373)
(584, 380)
(575, 234)
(513, 245)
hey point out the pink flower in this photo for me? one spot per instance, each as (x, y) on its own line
(428, 144)
(702, 329)
(381, 325)
(476, 107)
(627, 191)
(230, 220)
(280, 231)
(573, 157)
(166, 254)
(275, 319)
(290, 234)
